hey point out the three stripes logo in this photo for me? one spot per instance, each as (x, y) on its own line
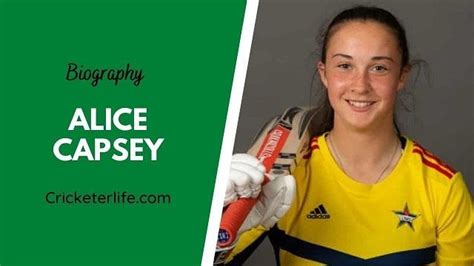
(318, 213)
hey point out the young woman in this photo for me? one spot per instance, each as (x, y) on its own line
(365, 195)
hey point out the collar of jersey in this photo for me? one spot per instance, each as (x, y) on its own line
(353, 186)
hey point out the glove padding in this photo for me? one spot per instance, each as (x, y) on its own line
(245, 178)
(273, 203)
(245, 181)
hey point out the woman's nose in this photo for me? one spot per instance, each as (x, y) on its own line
(361, 83)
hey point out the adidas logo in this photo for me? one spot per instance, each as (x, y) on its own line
(318, 213)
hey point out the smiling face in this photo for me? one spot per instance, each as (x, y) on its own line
(363, 74)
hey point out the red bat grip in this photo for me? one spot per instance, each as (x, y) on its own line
(232, 220)
(236, 213)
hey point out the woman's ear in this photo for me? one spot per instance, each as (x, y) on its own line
(322, 73)
(404, 75)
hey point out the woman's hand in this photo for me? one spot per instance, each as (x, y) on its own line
(245, 181)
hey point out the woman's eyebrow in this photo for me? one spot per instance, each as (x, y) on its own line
(343, 55)
(382, 58)
(376, 58)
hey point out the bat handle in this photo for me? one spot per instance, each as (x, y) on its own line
(233, 218)
(235, 214)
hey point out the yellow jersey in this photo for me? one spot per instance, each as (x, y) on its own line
(421, 213)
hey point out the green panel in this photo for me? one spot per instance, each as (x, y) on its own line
(187, 51)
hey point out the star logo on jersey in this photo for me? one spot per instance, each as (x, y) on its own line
(406, 217)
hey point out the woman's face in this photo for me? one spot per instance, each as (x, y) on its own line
(363, 74)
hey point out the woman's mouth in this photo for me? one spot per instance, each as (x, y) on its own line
(360, 105)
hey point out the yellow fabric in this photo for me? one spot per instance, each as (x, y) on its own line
(365, 221)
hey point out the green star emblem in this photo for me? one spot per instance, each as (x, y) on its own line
(405, 217)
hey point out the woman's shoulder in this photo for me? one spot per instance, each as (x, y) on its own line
(422, 160)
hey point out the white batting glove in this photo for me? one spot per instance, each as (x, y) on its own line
(246, 177)
(273, 203)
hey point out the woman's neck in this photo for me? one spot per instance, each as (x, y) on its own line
(366, 156)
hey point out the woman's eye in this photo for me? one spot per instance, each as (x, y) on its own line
(344, 66)
(379, 68)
